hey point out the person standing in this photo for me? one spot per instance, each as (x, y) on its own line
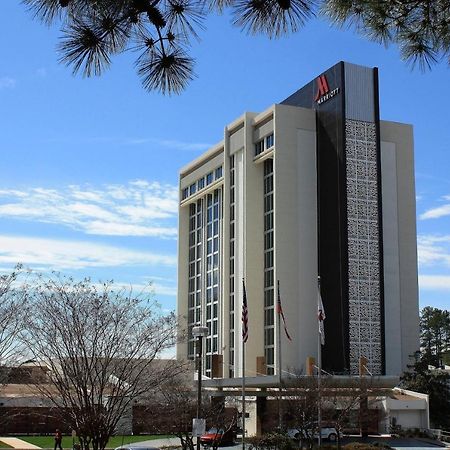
(58, 439)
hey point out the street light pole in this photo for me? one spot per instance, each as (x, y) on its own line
(199, 332)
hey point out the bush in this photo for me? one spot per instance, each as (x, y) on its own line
(272, 441)
(365, 446)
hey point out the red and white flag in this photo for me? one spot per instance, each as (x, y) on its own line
(244, 315)
(280, 313)
(320, 317)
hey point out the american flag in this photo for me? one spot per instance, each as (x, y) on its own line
(320, 317)
(244, 315)
(280, 312)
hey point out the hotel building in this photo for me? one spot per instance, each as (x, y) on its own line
(316, 185)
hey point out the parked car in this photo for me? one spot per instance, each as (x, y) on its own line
(217, 436)
(329, 433)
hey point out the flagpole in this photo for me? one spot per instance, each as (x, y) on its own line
(319, 376)
(244, 339)
(280, 421)
(243, 394)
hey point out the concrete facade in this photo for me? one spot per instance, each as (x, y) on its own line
(249, 210)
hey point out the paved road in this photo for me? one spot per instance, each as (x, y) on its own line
(399, 443)
(166, 442)
(396, 443)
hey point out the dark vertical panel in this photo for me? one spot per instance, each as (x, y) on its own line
(380, 218)
(332, 215)
(333, 255)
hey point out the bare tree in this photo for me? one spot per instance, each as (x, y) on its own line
(101, 347)
(13, 307)
(343, 403)
(222, 418)
(175, 407)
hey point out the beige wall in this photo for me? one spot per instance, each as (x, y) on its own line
(296, 232)
(400, 245)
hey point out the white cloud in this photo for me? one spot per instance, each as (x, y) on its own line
(178, 145)
(434, 282)
(440, 211)
(68, 254)
(137, 141)
(12, 193)
(160, 289)
(124, 229)
(7, 83)
(139, 208)
(138, 288)
(435, 213)
(433, 249)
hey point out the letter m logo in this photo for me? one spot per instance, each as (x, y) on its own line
(322, 87)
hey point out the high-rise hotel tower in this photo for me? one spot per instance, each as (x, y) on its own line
(314, 185)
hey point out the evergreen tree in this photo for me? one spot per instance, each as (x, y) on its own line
(435, 383)
(160, 31)
(434, 334)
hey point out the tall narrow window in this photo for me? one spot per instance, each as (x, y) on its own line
(259, 147)
(213, 217)
(269, 311)
(194, 282)
(232, 264)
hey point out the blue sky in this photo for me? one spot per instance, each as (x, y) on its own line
(89, 167)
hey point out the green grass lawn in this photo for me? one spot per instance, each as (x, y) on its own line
(3, 445)
(115, 441)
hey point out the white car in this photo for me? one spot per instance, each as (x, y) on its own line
(329, 433)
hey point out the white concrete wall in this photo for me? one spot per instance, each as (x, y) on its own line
(296, 232)
(400, 246)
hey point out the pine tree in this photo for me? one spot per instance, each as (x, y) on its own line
(160, 31)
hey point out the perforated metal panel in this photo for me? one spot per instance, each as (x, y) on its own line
(363, 246)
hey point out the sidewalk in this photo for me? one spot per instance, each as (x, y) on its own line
(18, 443)
(166, 442)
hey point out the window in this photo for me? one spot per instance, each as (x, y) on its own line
(259, 147)
(209, 178)
(218, 172)
(192, 189)
(269, 281)
(184, 193)
(201, 183)
(269, 141)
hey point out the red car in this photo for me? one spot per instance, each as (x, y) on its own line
(217, 437)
